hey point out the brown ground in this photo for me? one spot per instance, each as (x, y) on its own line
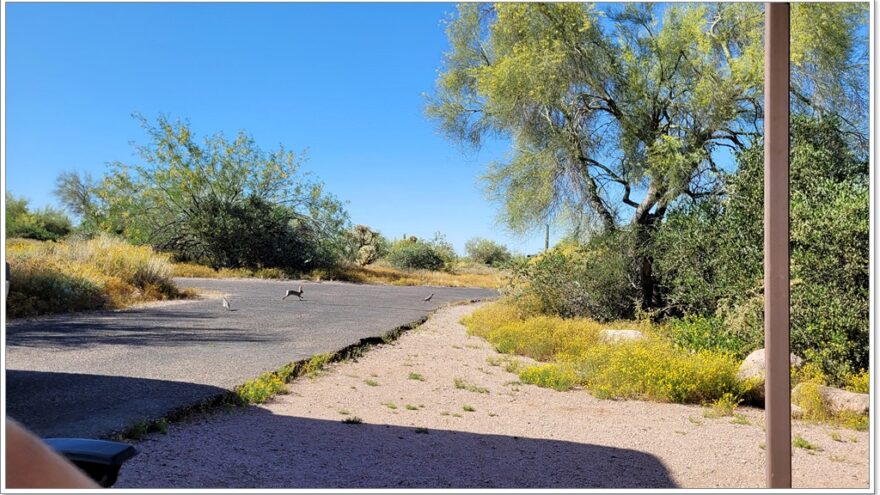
(517, 435)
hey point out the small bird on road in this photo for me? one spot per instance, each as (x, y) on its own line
(291, 292)
(429, 297)
(226, 304)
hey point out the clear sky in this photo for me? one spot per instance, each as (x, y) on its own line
(344, 81)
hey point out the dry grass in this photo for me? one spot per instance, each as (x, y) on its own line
(463, 275)
(75, 275)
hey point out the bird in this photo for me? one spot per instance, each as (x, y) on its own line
(429, 297)
(291, 292)
(226, 304)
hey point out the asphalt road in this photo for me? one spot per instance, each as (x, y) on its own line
(91, 374)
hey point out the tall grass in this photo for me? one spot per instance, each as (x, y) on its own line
(652, 368)
(78, 274)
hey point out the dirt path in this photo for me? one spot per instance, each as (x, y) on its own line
(415, 432)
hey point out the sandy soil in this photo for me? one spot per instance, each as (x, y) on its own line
(416, 432)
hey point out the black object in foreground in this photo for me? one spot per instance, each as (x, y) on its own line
(100, 459)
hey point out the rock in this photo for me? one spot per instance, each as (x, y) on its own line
(620, 335)
(796, 411)
(753, 369)
(837, 400)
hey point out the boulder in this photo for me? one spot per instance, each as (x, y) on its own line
(620, 335)
(753, 369)
(837, 400)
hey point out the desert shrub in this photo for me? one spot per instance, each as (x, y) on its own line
(43, 225)
(415, 254)
(708, 254)
(571, 280)
(487, 252)
(74, 275)
(858, 382)
(712, 333)
(651, 369)
(558, 376)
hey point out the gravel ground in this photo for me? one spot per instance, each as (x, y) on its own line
(416, 432)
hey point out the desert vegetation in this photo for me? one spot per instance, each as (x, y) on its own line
(655, 169)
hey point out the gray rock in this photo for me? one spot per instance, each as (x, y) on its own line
(838, 400)
(753, 369)
(620, 335)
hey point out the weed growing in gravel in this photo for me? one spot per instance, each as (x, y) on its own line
(468, 408)
(837, 458)
(372, 383)
(695, 421)
(835, 436)
(416, 376)
(390, 405)
(344, 412)
(316, 364)
(723, 406)
(470, 387)
(138, 430)
(410, 407)
(492, 415)
(762, 446)
(162, 425)
(422, 430)
(456, 415)
(801, 443)
(444, 413)
(740, 419)
(260, 389)
(352, 420)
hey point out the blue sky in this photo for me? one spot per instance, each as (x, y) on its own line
(344, 81)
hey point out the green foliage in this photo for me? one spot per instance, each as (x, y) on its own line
(801, 443)
(221, 202)
(260, 389)
(551, 375)
(710, 254)
(569, 280)
(80, 274)
(487, 252)
(722, 406)
(416, 254)
(600, 94)
(711, 333)
(46, 224)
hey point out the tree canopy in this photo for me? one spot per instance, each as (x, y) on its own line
(614, 112)
(222, 201)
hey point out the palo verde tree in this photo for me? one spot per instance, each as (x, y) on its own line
(220, 201)
(616, 112)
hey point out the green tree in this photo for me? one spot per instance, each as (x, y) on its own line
(220, 201)
(615, 113)
(46, 224)
(487, 252)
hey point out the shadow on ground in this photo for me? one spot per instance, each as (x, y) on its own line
(252, 448)
(137, 327)
(77, 405)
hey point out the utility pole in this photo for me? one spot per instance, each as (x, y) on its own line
(547, 236)
(777, 386)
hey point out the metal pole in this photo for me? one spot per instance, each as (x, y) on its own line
(777, 384)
